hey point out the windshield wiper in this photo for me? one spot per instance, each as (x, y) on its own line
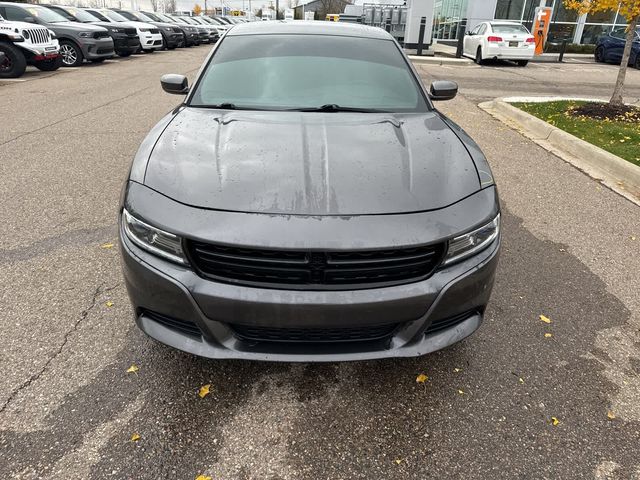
(332, 107)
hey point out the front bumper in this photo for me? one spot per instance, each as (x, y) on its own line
(93, 49)
(159, 289)
(150, 41)
(126, 43)
(173, 39)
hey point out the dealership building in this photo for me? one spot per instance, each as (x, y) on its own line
(565, 24)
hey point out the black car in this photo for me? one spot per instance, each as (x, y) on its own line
(190, 32)
(307, 202)
(171, 34)
(125, 39)
(609, 48)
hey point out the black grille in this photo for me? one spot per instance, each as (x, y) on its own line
(130, 31)
(445, 323)
(154, 30)
(306, 270)
(176, 30)
(183, 326)
(105, 50)
(100, 34)
(313, 335)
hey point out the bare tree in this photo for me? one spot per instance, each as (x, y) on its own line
(170, 6)
(154, 5)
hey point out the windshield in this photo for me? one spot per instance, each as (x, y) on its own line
(116, 17)
(46, 15)
(136, 16)
(282, 72)
(80, 15)
(153, 17)
(507, 28)
(165, 18)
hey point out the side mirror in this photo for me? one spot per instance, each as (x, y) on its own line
(443, 90)
(468, 33)
(175, 84)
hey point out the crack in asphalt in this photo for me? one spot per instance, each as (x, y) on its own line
(83, 315)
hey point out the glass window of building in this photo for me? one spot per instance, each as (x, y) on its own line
(509, 9)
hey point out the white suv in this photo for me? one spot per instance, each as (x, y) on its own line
(23, 44)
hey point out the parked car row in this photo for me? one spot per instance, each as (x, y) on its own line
(51, 36)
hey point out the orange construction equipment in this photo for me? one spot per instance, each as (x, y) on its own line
(541, 24)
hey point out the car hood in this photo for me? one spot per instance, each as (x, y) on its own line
(311, 163)
(137, 24)
(75, 27)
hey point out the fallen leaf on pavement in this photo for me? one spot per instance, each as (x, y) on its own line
(421, 378)
(106, 245)
(521, 380)
(204, 390)
(545, 319)
(554, 421)
(398, 461)
(611, 415)
(135, 437)
(132, 369)
(457, 370)
(461, 392)
(203, 477)
(109, 304)
(548, 335)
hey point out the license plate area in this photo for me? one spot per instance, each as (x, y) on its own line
(514, 44)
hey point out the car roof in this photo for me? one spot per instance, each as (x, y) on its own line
(302, 27)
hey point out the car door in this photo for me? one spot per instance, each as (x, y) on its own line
(469, 41)
(614, 47)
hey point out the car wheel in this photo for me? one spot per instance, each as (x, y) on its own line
(522, 63)
(71, 54)
(479, 59)
(637, 65)
(599, 54)
(14, 64)
(49, 65)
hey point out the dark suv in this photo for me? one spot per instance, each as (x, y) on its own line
(125, 39)
(77, 42)
(171, 34)
(609, 48)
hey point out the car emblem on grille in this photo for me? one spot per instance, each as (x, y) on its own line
(317, 262)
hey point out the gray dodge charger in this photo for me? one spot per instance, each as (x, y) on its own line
(306, 202)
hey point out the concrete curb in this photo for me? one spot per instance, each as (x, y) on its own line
(614, 172)
(439, 60)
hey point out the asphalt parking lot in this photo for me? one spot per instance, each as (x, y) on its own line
(69, 408)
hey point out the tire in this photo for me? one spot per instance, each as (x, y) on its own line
(599, 54)
(479, 59)
(14, 63)
(148, 51)
(71, 54)
(637, 65)
(49, 65)
(522, 63)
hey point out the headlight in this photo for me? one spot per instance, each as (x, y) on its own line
(26, 35)
(85, 34)
(117, 30)
(145, 29)
(152, 239)
(473, 242)
(167, 29)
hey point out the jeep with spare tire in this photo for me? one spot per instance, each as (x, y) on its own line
(23, 44)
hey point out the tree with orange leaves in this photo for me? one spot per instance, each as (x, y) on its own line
(630, 9)
(197, 10)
